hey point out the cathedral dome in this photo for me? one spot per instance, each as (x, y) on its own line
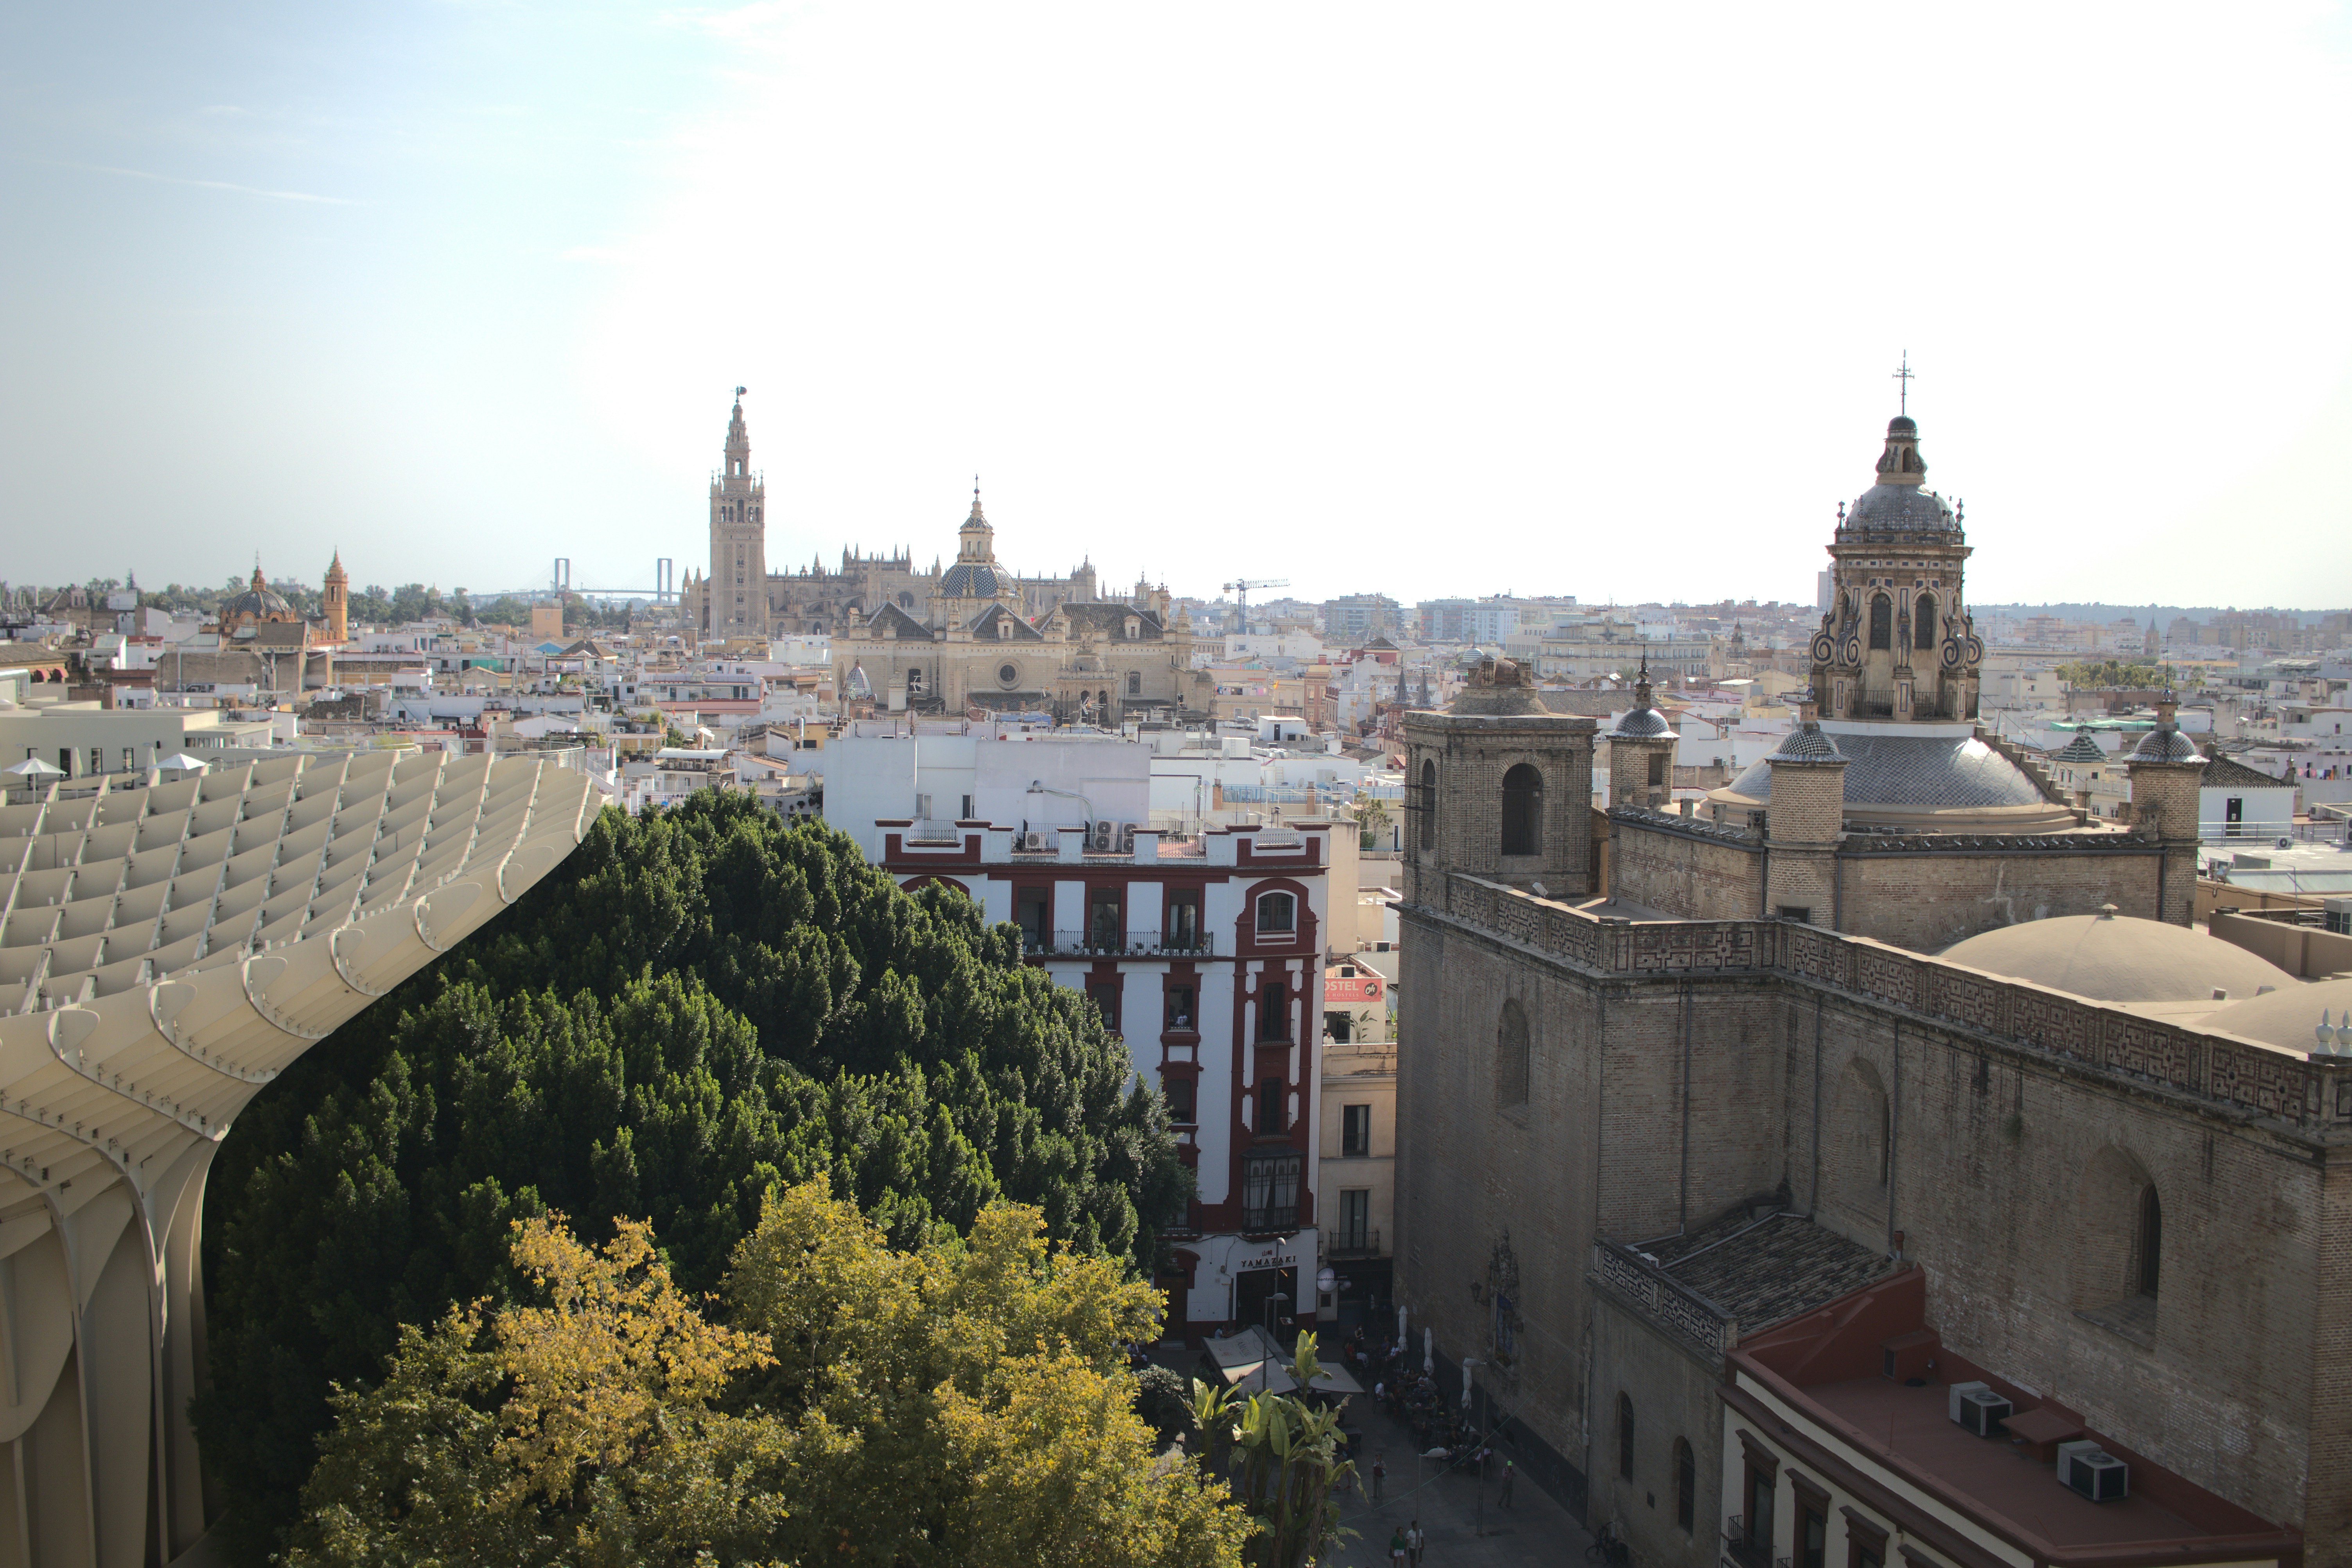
(1900, 502)
(2289, 1016)
(1900, 508)
(259, 602)
(969, 579)
(2118, 958)
(1906, 780)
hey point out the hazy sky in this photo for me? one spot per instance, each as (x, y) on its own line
(1591, 300)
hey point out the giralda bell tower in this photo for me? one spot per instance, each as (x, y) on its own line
(736, 597)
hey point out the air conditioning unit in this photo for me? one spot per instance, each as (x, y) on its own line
(1103, 838)
(1976, 1407)
(1127, 838)
(1034, 839)
(2093, 1473)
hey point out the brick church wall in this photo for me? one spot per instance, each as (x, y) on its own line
(2000, 1110)
(1687, 871)
(1935, 897)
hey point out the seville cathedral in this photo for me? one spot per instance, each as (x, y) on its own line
(1731, 1143)
(972, 634)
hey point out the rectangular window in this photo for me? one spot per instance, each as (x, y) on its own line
(1180, 927)
(1355, 1129)
(1761, 1492)
(1182, 1096)
(129, 757)
(1865, 1543)
(1273, 1097)
(1339, 1026)
(1105, 927)
(1270, 1191)
(1274, 1015)
(1798, 912)
(1032, 910)
(1812, 1531)
(1355, 1219)
(1179, 1008)
(1106, 999)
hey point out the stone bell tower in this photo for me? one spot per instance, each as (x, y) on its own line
(335, 601)
(1498, 787)
(735, 596)
(1896, 643)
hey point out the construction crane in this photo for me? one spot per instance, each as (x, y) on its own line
(1242, 585)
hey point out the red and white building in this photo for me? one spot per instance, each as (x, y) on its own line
(1205, 954)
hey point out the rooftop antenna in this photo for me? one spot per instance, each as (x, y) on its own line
(1902, 378)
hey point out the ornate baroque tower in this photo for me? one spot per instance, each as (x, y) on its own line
(1897, 644)
(335, 600)
(735, 598)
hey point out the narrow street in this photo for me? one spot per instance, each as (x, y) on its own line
(1533, 1530)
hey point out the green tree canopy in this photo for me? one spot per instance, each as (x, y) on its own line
(946, 1404)
(699, 1006)
(2108, 674)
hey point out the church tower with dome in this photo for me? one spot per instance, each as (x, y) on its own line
(1896, 643)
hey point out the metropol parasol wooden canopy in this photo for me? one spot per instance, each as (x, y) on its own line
(166, 949)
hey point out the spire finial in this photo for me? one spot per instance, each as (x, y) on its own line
(1903, 375)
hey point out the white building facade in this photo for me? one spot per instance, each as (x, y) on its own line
(1204, 955)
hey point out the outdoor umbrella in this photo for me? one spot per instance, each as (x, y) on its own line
(34, 767)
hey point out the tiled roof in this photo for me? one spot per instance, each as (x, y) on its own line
(1937, 772)
(2080, 749)
(2165, 746)
(2229, 773)
(1767, 1273)
(1806, 743)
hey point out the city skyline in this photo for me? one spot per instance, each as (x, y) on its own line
(1620, 296)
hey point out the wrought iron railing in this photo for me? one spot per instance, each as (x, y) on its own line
(1361, 1244)
(1278, 1217)
(1740, 1546)
(1117, 944)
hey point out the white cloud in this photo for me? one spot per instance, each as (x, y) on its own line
(1586, 300)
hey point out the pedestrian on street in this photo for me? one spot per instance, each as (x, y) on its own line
(1415, 1543)
(1380, 1474)
(1396, 1547)
(1505, 1500)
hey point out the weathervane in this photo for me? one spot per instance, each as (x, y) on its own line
(1902, 378)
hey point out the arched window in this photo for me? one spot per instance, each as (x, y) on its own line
(1857, 1151)
(1685, 1485)
(1429, 805)
(2119, 1257)
(1278, 913)
(1523, 810)
(1922, 620)
(1881, 622)
(1511, 1055)
(1625, 1436)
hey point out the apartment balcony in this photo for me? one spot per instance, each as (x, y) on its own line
(1362, 1244)
(1269, 1220)
(1105, 943)
(1738, 1547)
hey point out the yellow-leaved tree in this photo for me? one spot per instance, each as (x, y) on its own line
(963, 1402)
